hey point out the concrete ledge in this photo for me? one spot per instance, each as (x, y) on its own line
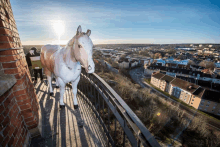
(6, 82)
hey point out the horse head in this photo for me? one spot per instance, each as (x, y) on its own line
(82, 49)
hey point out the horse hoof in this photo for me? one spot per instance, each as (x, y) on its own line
(75, 106)
(57, 87)
(62, 106)
(51, 94)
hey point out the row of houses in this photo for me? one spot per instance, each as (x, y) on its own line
(192, 94)
(199, 75)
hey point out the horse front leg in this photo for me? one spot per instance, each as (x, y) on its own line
(62, 90)
(57, 84)
(74, 87)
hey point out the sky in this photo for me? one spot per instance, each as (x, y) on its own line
(112, 21)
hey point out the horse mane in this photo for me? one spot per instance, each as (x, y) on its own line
(69, 46)
(70, 42)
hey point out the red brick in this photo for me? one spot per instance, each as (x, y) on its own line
(33, 126)
(21, 97)
(20, 141)
(6, 131)
(8, 58)
(27, 113)
(6, 38)
(29, 119)
(5, 112)
(16, 113)
(15, 132)
(11, 65)
(26, 106)
(7, 93)
(18, 87)
(1, 108)
(22, 80)
(5, 141)
(6, 121)
(1, 138)
(11, 141)
(7, 45)
(20, 74)
(14, 107)
(15, 141)
(19, 130)
(14, 122)
(12, 71)
(2, 98)
(20, 92)
(9, 52)
(5, 31)
(26, 101)
(31, 123)
(1, 118)
(8, 100)
(11, 131)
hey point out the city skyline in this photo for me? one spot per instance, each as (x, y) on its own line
(113, 22)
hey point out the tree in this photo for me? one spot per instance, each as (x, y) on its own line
(207, 64)
(191, 62)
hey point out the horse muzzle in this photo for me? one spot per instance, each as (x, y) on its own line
(90, 69)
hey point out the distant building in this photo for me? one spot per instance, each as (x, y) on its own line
(186, 49)
(192, 94)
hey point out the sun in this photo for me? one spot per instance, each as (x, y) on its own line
(59, 27)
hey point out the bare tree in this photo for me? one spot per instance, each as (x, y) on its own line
(207, 64)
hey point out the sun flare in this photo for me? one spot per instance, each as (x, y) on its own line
(59, 27)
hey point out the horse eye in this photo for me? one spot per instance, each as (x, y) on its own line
(79, 46)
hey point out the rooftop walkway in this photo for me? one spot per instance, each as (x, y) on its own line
(66, 127)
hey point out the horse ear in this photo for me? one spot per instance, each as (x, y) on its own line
(79, 30)
(88, 32)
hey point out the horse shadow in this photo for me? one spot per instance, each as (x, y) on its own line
(57, 124)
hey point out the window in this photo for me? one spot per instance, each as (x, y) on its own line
(191, 103)
(207, 105)
(192, 99)
(184, 99)
(208, 102)
(194, 96)
(202, 104)
(205, 109)
(214, 107)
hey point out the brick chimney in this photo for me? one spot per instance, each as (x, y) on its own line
(19, 114)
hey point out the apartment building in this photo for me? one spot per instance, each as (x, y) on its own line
(192, 94)
(182, 89)
(210, 102)
(155, 79)
(165, 82)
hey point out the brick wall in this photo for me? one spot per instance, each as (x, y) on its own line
(19, 105)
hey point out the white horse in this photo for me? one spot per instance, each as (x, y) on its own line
(65, 63)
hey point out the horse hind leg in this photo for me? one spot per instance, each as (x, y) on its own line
(49, 79)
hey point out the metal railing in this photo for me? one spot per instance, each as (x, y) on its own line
(121, 125)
